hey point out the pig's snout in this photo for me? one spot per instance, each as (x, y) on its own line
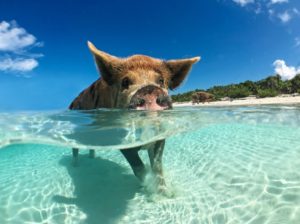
(150, 98)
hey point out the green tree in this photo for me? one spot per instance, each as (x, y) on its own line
(295, 83)
(268, 87)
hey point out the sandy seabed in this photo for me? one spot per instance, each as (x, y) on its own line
(247, 101)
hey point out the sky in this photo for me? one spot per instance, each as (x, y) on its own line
(45, 62)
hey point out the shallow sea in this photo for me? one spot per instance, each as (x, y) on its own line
(224, 165)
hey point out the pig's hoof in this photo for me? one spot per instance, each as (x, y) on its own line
(164, 191)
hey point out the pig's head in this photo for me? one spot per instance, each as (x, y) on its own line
(141, 82)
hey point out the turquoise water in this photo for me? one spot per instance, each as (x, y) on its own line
(224, 165)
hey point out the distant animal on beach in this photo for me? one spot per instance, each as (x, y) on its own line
(202, 97)
(138, 82)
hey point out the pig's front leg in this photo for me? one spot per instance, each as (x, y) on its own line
(155, 155)
(135, 162)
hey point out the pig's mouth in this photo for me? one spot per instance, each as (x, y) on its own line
(150, 98)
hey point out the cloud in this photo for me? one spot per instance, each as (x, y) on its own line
(13, 38)
(284, 17)
(18, 64)
(271, 12)
(278, 1)
(296, 11)
(289, 14)
(285, 72)
(283, 13)
(15, 43)
(258, 9)
(243, 2)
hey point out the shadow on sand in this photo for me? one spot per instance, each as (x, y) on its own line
(102, 189)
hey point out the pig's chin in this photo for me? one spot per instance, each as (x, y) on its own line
(151, 108)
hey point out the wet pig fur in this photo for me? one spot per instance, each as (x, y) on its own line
(138, 82)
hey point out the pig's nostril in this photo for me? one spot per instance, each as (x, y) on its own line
(140, 102)
(160, 100)
(163, 100)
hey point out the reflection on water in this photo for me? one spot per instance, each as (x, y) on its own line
(117, 129)
(241, 167)
(99, 129)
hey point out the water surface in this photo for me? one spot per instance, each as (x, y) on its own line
(225, 165)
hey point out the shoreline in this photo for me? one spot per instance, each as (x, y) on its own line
(248, 101)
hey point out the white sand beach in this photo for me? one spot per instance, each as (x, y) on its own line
(282, 99)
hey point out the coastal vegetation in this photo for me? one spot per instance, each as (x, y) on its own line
(268, 87)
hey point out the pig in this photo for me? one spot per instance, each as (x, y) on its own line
(138, 82)
(202, 97)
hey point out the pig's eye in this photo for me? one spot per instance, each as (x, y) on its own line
(125, 83)
(161, 81)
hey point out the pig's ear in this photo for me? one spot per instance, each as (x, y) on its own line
(179, 70)
(106, 63)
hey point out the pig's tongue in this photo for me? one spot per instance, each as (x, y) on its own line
(150, 104)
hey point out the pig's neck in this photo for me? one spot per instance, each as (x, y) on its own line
(97, 95)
